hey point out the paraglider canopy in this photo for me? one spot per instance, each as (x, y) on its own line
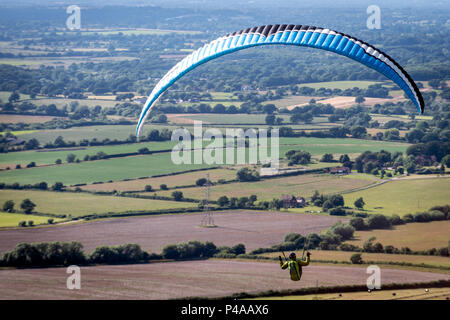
(298, 35)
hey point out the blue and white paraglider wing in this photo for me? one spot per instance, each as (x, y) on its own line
(284, 34)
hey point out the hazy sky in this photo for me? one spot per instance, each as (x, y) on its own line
(233, 3)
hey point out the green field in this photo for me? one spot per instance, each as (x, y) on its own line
(342, 84)
(232, 118)
(316, 146)
(400, 117)
(60, 102)
(319, 146)
(119, 132)
(17, 133)
(417, 117)
(302, 185)
(403, 196)
(102, 170)
(48, 156)
(219, 95)
(385, 118)
(161, 163)
(78, 204)
(13, 219)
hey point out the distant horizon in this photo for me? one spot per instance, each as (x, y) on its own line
(219, 4)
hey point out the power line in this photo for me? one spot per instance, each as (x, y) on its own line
(208, 219)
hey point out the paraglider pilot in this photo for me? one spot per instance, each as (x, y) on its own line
(295, 265)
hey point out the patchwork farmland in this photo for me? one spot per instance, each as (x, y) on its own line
(363, 164)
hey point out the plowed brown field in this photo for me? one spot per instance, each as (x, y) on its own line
(171, 280)
(252, 228)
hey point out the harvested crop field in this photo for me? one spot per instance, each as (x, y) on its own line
(175, 180)
(204, 278)
(346, 102)
(180, 118)
(415, 236)
(291, 102)
(252, 228)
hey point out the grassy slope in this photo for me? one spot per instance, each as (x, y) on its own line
(303, 185)
(49, 157)
(185, 179)
(78, 204)
(120, 132)
(104, 170)
(60, 102)
(13, 219)
(403, 196)
(149, 165)
(316, 146)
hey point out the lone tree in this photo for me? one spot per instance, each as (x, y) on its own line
(177, 195)
(270, 119)
(201, 182)
(8, 206)
(359, 203)
(27, 206)
(58, 186)
(14, 97)
(70, 157)
(298, 157)
(245, 174)
(359, 99)
(327, 157)
(356, 258)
